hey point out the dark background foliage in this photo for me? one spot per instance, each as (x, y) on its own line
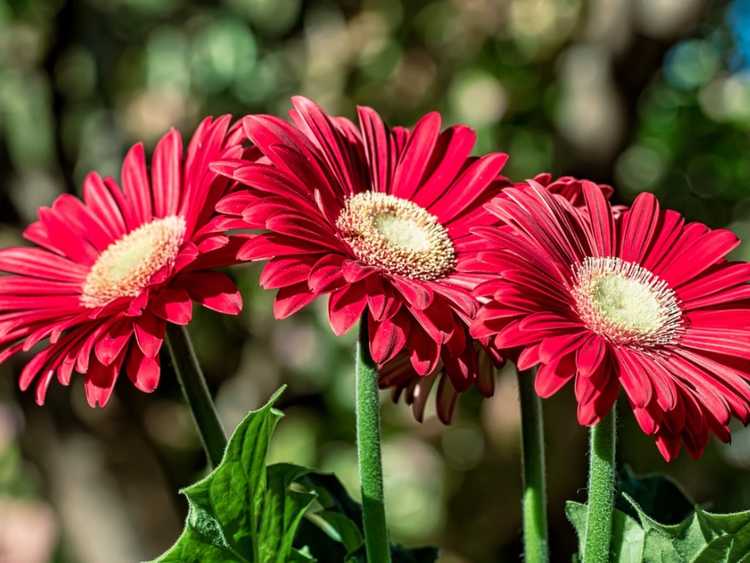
(642, 94)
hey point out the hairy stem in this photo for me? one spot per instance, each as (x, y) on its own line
(368, 450)
(601, 490)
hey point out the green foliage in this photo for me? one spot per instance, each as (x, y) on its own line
(656, 523)
(245, 511)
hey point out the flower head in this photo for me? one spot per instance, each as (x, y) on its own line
(638, 301)
(379, 220)
(109, 271)
(566, 186)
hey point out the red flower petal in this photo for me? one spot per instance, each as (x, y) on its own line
(213, 290)
(425, 352)
(135, 183)
(100, 382)
(413, 164)
(143, 371)
(111, 344)
(550, 378)
(149, 334)
(388, 337)
(291, 299)
(639, 226)
(345, 307)
(166, 174)
(173, 305)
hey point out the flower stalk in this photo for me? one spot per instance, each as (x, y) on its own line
(196, 393)
(368, 452)
(534, 503)
(601, 497)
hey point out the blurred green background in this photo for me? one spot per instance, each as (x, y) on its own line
(642, 94)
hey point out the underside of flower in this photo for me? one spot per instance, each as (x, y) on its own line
(626, 303)
(396, 235)
(125, 268)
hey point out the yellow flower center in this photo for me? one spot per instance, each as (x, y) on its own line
(125, 268)
(396, 235)
(626, 303)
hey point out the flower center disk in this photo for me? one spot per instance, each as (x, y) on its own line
(626, 303)
(397, 236)
(126, 267)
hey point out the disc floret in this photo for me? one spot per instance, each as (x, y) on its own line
(396, 235)
(127, 265)
(626, 303)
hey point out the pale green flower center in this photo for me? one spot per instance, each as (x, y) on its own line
(402, 232)
(626, 303)
(126, 267)
(396, 235)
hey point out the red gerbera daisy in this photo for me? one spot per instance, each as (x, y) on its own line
(108, 272)
(567, 186)
(378, 219)
(642, 302)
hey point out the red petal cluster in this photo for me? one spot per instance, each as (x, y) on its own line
(295, 193)
(41, 297)
(341, 209)
(680, 391)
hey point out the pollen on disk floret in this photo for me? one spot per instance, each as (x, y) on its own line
(126, 267)
(626, 303)
(396, 235)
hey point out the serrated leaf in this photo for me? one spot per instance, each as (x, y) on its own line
(725, 523)
(718, 551)
(226, 507)
(191, 547)
(736, 524)
(246, 512)
(741, 547)
(699, 537)
(658, 496)
(282, 511)
(680, 542)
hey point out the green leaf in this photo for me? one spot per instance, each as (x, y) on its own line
(191, 546)
(301, 556)
(283, 509)
(656, 523)
(341, 521)
(339, 516)
(247, 512)
(627, 534)
(657, 495)
(332, 495)
(717, 551)
(339, 528)
(227, 507)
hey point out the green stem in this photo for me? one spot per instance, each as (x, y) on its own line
(368, 450)
(196, 393)
(601, 490)
(535, 536)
